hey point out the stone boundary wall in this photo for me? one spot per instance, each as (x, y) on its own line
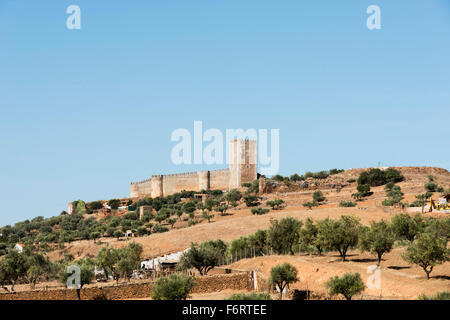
(205, 284)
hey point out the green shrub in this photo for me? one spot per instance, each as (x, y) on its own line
(389, 186)
(131, 216)
(159, 229)
(96, 205)
(114, 204)
(347, 204)
(373, 177)
(311, 204)
(336, 171)
(259, 211)
(318, 196)
(251, 201)
(393, 175)
(348, 285)
(142, 231)
(175, 287)
(278, 178)
(431, 186)
(250, 296)
(388, 202)
(295, 177)
(275, 204)
(443, 295)
(364, 189)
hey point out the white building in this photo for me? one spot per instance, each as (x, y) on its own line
(156, 263)
(19, 247)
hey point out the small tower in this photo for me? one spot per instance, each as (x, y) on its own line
(157, 186)
(243, 162)
(203, 180)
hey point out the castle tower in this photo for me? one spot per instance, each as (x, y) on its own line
(203, 180)
(157, 186)
(243, 162)
(134, 190)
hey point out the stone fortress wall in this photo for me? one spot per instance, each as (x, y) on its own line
(243, 168)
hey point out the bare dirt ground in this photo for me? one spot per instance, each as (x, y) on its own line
(398, 279)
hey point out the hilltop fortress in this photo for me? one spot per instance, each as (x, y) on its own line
(242, 168)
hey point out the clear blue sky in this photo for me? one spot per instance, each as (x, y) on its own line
(85, 112)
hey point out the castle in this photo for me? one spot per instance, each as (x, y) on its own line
(242, 168)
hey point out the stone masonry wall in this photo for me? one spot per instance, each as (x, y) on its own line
(219, 179)
(206, 284)
(140, 189)
(179, 182)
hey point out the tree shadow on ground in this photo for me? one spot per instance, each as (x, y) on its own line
(365, 260)
(443, 277)
(398, 268)
(346, 256)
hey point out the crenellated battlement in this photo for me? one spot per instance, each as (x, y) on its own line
(142, 182)
(183, 174)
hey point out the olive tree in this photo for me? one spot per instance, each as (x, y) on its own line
(14, 266)
(427, 251)
(340, 235)
(204, 257)
(284, 234)
(311, 237)
(407, 227)
(283, 275)
(378, 239)
(86, 273)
